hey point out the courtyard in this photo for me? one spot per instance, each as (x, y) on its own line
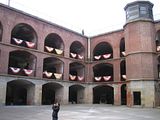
(79, 112)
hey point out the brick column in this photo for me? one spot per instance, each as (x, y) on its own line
(66, 70)
(116, 71)
(4, 60)
(39, 66)
(117, 94)
(89, 73)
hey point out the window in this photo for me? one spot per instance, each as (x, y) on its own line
(143, 10)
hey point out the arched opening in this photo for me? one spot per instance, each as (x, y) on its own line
(102, 51)
(123, 70)
(157, 96)
(53, 68)
(54, 44)
(122, 48)
(1, 31)
(24, 35)
(158, 40)
(103, 72)
(76, 71)
(51, 92)
(20, 92)
(158, 67)
(76, 94)
(22, 63)
(123, 95)
(103, 94)
(77, 50)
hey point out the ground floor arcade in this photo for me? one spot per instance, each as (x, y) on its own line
(23, 91)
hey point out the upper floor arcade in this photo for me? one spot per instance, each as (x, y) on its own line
(28, 37)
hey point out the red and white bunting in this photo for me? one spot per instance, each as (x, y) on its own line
(15, 70)
(106, 78)
(124, 76)
(30, 44)
(48, 74)
(58, 51)
(58, 75)
(72, 77)
(28, 72)
(80, 78)
(80, 57)
(49, 49)
(106, 56)
(18, 41)
(124, 53)
(158, 48)
(73, 55)
(97, 78)
(97, 57)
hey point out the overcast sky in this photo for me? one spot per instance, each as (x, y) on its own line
(94, 16)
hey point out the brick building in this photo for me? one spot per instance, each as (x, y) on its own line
(41, 62)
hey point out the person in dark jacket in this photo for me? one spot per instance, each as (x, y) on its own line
(55, 109)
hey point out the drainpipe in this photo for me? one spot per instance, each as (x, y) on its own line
(89, 50)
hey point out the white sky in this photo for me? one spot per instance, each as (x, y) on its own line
(94, 16)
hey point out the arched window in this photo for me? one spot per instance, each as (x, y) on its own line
(1, 31)
(122, 47)
(54, 44)
(24, 35)
(53, 68)
(123, 70)
(103, 72)
(158, 67)
(102, 51)
(77, 50)
(22, 63)
(158, 40)
(76, 72)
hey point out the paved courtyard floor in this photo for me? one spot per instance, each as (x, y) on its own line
(79, 112)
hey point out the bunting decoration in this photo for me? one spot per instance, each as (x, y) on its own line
(58, 51)
(15, 70)
(106, 78)
(72, 77)
(28, 72)
(57, 75)
(124, 76)
(97, 57)
(124, 53)
(97, 78)
(80, 78)
(80, 57)
(49, 49)
(73, 55)
(48, 74)
(30, 44)
(106, 56)
(17, 41)
(158, 48)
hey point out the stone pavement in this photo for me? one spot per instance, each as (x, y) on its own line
(79, 112)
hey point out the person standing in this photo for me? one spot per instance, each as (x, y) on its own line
(55, 109)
